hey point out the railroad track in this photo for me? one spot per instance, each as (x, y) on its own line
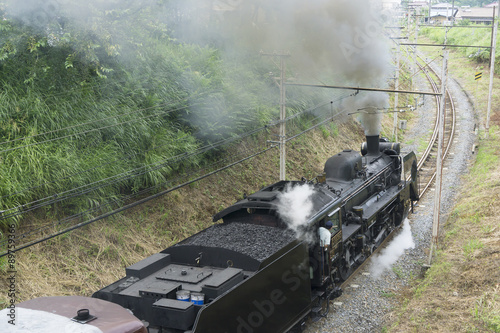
(428, 160)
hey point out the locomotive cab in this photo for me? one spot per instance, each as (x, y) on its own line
(322, 260)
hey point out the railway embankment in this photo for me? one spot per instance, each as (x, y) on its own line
(85, 260)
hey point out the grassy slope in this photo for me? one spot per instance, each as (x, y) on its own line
(461, 291)
(86, 260)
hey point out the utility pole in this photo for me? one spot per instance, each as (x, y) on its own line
(453, 12)
(410, 64)
(396, 87)
(282, 119)
(493, 21)
(492, 69)
(429, 18)
(281, 84)
(415, 41)
(439, 159)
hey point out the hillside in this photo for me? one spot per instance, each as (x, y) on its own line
(87, 259)
(106, 104)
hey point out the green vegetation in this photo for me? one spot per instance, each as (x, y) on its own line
(471, 246)
(472, 3)
(465, 36)
(487, 311)
(98, 109)
(463, 278)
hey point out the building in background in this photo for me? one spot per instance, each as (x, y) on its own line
(482, 15)
(442, 13)
(493, 4)
(391, 4)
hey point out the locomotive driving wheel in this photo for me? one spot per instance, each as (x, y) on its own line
(345, 266)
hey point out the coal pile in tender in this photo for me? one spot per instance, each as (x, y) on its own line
(256, 241)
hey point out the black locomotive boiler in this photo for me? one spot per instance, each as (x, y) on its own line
(250, 273)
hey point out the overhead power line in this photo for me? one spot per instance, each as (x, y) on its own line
(116, 202)
(100, 120)
(127, 157)
(116, 179)
(93, 130)
(87, 123)
(139, 202)
(143, 192)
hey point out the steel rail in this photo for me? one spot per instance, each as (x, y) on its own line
(427, 153)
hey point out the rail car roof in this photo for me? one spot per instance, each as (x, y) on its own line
(269, 198)
(51, 314)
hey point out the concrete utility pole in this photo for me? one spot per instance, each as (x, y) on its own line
(282, 119)
(396, 87)
(281, 84)
(439, 159)
(492, 70)
(410, 64)
(415, 41)
(453, 12)
(429, 17)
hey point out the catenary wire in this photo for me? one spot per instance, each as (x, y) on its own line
(90, 169)
(169, 104)
(150, 189)
(126, 198)
(88, 123)
(128, 157)
(54, 198)
(120, 209)
(131, 205)
(93, 130)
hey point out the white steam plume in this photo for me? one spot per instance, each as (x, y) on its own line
(337, 42)
(295, 206)
(342, 37)
(393, 251)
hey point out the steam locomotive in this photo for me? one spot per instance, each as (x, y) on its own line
(251, 273)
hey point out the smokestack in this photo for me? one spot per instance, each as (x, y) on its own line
(372, 145)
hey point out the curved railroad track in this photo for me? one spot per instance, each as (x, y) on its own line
(428, 160)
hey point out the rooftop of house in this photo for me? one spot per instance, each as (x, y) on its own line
(444, 12)
(475, 12)
(493, 4)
